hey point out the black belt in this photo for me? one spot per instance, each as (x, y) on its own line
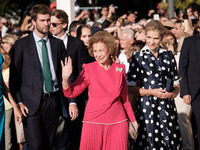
(48, 95)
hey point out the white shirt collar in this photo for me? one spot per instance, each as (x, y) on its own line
(146, 50)
(37, 38)
(64, 38)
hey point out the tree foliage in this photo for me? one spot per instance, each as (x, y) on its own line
(183, 4)
(16, 9)
(9, 7)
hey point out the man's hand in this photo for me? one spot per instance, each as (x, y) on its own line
(23, 109)
(187, 99)
(111, 9)
(73, 111)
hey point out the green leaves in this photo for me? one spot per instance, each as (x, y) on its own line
(183, 4)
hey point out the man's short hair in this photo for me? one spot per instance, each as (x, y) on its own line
(179, 22)
(73, 26)
(104, 6)
(39, 9)
(130, 12)
(61, 15)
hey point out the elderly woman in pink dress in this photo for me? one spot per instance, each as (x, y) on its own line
(105, 123)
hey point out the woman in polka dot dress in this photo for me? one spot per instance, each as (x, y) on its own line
(156, 111)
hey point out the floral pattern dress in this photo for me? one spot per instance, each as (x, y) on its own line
(157, 118)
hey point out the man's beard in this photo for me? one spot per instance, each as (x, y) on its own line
(41, 31)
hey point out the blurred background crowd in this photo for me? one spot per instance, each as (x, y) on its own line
(125, 20)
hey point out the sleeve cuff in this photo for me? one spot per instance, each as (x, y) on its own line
(176, 82)
(72, 103)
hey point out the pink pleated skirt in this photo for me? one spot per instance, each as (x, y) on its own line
(104, 137)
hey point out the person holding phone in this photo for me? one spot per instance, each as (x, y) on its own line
(153, 67)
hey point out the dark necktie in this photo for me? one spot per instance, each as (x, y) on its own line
(46, 67)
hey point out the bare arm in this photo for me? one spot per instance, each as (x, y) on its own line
(111, 29)
(6, 93)
(25, 22)
(115, 28)
(81, 15)
(159, 93)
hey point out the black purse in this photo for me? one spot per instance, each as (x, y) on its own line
(169, 85)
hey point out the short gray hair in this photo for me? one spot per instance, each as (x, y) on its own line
(2, 19)
(129, 32)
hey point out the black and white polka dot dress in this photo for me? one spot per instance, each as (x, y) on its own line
(157, 118)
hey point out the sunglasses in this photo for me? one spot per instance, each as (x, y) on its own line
(55, 24)
(5, 23)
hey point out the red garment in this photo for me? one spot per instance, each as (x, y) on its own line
(107, 92)
(104, 137)
(108, 103)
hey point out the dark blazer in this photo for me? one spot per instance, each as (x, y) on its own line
(26, 84)
(189, 66)
(87, 57)
(75, 49)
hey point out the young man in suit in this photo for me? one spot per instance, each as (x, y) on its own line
(184, 111)
(75, 49)
(180, 34)
(35, 80)
(189, 72)
(73, 28)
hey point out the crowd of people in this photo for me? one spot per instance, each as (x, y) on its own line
(80, 85)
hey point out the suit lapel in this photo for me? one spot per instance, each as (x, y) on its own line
(69, 46)
(197, 36)
(33, 53)
(54, 52)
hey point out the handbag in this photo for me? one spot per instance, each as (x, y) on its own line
(132, 132)
(169, 85)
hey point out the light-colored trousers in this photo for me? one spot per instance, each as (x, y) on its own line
(184, 115)
(8, 133)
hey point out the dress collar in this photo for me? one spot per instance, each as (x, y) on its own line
(146, 50)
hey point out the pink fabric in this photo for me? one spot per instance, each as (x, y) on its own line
(105, 124)
(108, 93)
(104, 137)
